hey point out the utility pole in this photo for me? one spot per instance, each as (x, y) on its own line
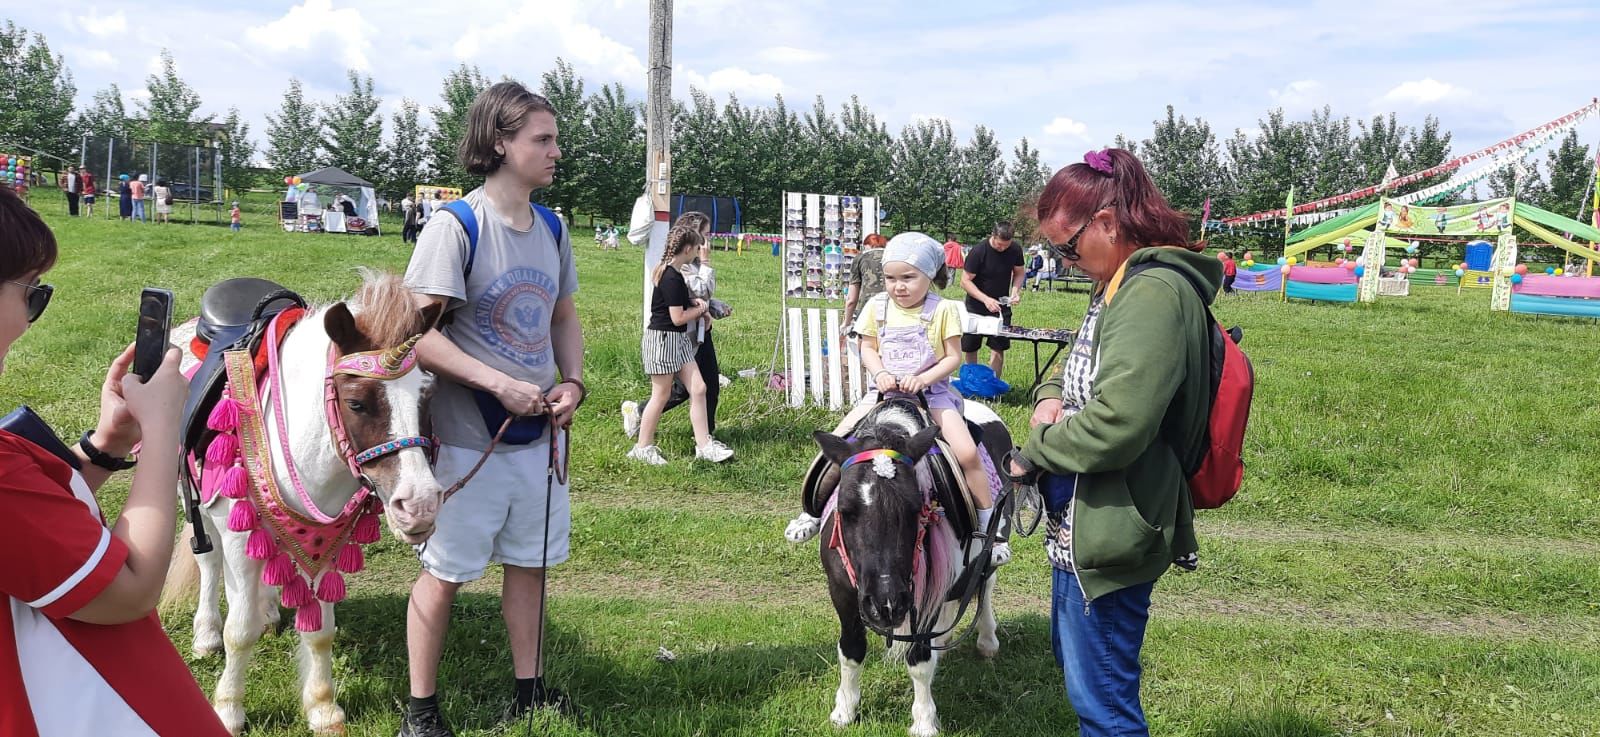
(658, 123)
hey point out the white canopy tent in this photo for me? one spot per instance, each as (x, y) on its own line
(322, 187)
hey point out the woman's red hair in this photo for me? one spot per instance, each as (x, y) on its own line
(1143, 215)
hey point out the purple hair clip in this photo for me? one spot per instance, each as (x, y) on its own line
(1099, 161)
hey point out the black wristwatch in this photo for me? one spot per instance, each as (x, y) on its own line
(101, 458)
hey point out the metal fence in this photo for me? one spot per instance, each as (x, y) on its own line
(193, 172)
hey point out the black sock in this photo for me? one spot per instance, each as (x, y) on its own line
(423, 705)
(528, 689)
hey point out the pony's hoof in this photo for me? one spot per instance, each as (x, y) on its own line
(207, 643)
(326, 719)
(924, 730)
(231, 714)
(842, 718)
(988, 647)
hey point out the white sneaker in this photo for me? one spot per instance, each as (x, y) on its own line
(723, 380)
(713, 451)
(1000, 554)
(630, 419)
(802, 528)
(648, 454)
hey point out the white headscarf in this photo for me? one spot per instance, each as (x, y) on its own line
(923, 253)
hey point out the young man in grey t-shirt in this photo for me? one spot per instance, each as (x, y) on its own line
(512, 347)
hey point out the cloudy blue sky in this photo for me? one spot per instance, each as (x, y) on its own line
(1067, 75)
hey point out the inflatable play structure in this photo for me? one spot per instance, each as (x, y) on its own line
(1494, 268)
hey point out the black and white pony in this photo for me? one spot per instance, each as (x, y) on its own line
(891, 548)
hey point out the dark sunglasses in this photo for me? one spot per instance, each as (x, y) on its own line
(38, 298)
(1069, 250)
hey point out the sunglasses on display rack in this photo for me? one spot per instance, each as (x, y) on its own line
(38, 298)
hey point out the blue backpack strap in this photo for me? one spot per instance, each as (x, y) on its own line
(551, 219)
(469, 222)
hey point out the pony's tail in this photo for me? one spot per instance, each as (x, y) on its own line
(183, 577)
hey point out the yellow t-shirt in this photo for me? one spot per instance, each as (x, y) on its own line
(946, 322)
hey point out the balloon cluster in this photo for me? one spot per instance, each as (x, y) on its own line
(1412, 247)
(1349, 264)
(14, 171)
(291, 181)
(1360, 271)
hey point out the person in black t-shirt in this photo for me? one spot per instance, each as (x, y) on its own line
(993, 271)
(669, 348)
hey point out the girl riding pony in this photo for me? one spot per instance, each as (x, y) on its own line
(911, 342)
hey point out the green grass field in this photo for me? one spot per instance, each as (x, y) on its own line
(1413, 552)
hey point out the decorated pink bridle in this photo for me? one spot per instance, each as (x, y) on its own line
(384, 365)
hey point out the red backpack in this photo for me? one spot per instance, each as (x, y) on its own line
(1220, 471)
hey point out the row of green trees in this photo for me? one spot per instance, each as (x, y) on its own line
(929, 179)
(727, 149)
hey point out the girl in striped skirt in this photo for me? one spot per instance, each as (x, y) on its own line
(668, 348)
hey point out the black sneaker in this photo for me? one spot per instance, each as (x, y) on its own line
(426, 724)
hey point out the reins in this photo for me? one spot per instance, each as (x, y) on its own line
(560, 469)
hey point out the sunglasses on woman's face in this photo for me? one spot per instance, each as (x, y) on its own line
(38, 298)
(1069, 251)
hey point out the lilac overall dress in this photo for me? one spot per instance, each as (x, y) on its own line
(905, 352)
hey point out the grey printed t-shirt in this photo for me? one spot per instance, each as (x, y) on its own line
(501, 315)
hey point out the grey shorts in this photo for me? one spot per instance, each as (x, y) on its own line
(500, 515)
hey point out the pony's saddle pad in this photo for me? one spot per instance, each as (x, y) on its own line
(233, 315)
(949, 484)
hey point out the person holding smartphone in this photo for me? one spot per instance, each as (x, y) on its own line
(88, 654)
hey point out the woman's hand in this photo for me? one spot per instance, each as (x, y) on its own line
(155, 405)
(886, 382)
(1047, 411)
(117, 432)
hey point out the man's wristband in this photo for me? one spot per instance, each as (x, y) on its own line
(101, 458)
(583, 391)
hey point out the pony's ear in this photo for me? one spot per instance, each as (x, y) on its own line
(919, 444)
(431, 315)
(834, 448)
(341, 327)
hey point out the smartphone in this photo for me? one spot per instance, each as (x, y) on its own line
(155, 321)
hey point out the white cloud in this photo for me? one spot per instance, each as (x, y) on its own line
(1299, 96)
(1422, 92)
(748, 85)
(557, 27)
(1063, 127)
(101, 26)
(790, 55)
(305, 27)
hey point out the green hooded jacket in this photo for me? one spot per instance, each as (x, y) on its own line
(1132, 514)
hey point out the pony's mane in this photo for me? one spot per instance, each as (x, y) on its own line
(384, 309)
(891, 425)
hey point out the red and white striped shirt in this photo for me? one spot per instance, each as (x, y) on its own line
(59, 676)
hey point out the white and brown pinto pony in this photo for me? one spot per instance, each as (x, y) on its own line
(892, 557)
(342, 369)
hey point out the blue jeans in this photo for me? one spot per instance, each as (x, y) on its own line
(138, 210)
(1099, 655)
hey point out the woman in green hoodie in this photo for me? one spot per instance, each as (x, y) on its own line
(1115, 431)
